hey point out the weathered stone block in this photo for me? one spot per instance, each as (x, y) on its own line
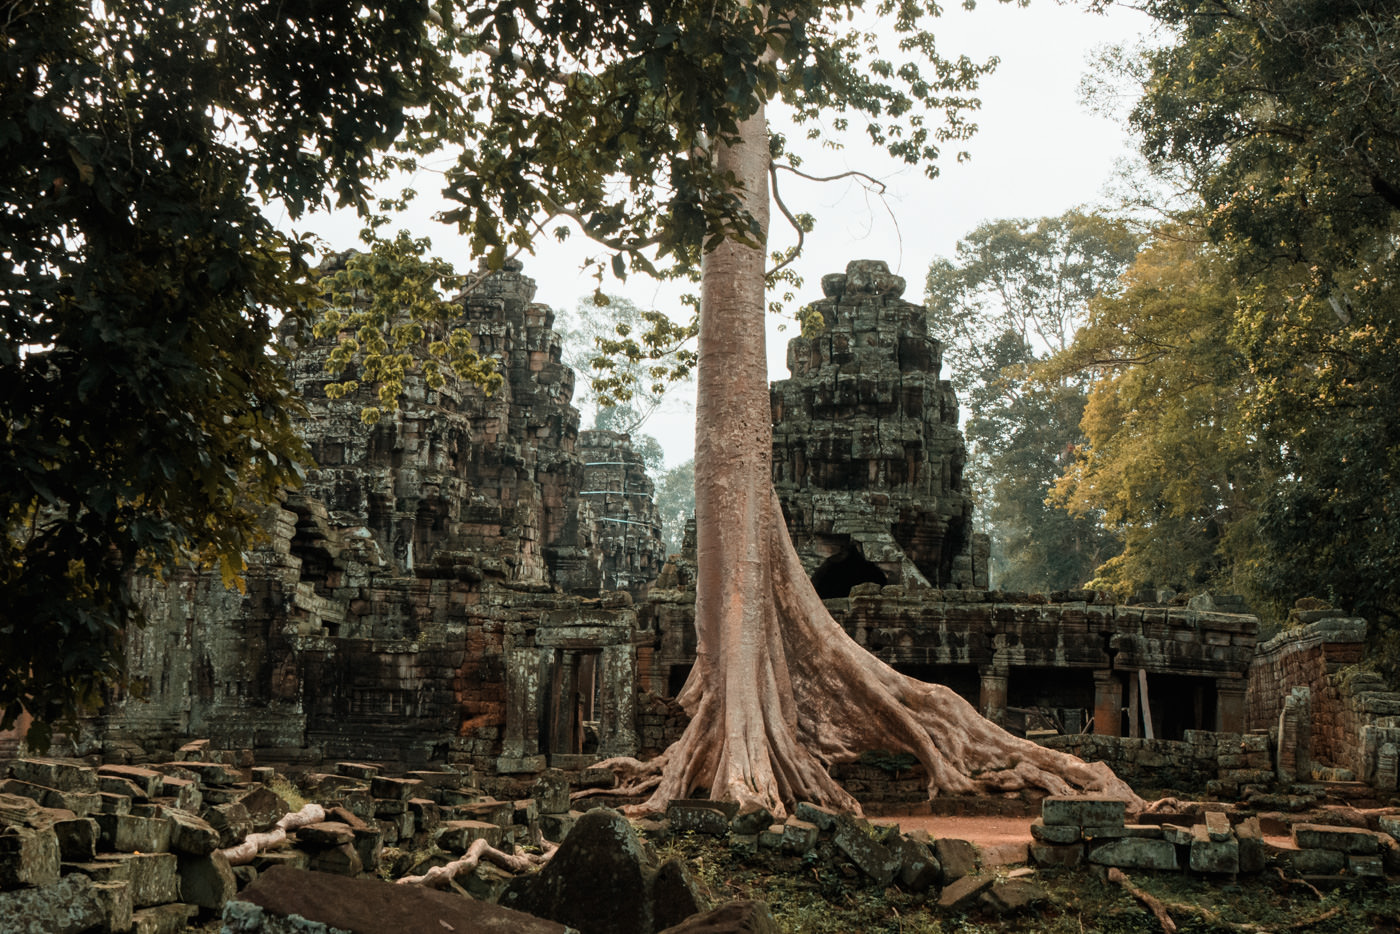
(1135, 853)
(147, 781)
(799, 836)
(1366, 867)
(395, 789)
(1341, 839)
(191, 835)
(325, 834)
(557, 826)
(369, 844)
(28, 856)
(206, 881)
(824, 818)
(153, 876)
(751, 822)
(1251, 841)
(1209, 855)
(1051, 856)
(77, 839)
(230, 821)
(551, 792)
(127, 833)
(963, 892)
(957, 857)
(1061, 834)
(1218, 826)
(919, 869)
(1317, 862)
(1177, 835)
(63, 906)
(854, 839)
(698, 817)
(455, 836)
(162, 919)
(340, 860)
(61, 774)
(1086, 811)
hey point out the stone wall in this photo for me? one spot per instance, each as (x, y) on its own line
(1304, 684)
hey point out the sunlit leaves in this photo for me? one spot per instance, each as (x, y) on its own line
(390, 311)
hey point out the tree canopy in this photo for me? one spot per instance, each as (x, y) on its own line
(1017, 291)
(144, 420)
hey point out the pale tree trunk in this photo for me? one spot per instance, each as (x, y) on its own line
(779, 691)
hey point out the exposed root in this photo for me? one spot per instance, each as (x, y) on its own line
(440, 876)
(255, 843)
(1161, 911)
(806, 695)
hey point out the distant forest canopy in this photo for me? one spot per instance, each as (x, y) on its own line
(1206, 395)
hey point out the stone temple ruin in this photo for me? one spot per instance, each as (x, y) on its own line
(474, 582)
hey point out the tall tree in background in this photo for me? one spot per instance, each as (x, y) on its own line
(647, 126)
(1167, 462)
(143, 422)
(1285, 116)
(1016, 292)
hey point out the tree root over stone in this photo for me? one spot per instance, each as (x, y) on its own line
(439, 876)
(255, 843)
(800, 695)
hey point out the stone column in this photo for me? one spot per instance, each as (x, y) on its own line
(992, 698)
(1229, 705)
(618, 717)
(526, 669)
(1108, 704)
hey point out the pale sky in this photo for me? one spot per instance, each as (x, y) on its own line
(1038, 152)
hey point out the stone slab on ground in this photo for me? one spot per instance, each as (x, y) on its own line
(964, 891)
(28, 856)
(369, 906)
(1135, 853)
(736, 917)
(957, 857)
(163, 919)
(67, 906)
(1341, 839)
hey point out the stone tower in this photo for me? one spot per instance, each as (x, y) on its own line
(867, 453)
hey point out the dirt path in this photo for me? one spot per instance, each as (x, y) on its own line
(980, 831)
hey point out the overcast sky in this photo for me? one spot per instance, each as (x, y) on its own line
(1037, 152)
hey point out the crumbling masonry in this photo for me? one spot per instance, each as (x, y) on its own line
(474, 581)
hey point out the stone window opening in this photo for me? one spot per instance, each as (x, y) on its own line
(571, 714)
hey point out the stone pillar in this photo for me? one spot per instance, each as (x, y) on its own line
(526, 669)
(618, 717)
(992, 698)
(1295, 737)
(1108, 704)
(1229, 705)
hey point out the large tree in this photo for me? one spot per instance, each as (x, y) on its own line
(647, 127)
(1015, 292)
(143, 422)
(1283, 117)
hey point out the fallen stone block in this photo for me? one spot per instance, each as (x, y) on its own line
(191, 835)
(127, 833)
(28, 856)
(1366, 867)
(964, 892)
(395, 789)
(1083, 811)
(1210, 855)
(455, 836)
(919, 869)
(957, 857)
(77, 839)
(62, 774)
(341, 860)
(162, 919)
(1218, 826)
(853, 838)
(1316, 862)
(1341, 839)
(751, 822)
(1251, 841)
(148, 782)
(1052, 856)
(64, 906)
(823, 817)
(206, 881)
(686, 816)
(368, 906)
(551, 792)
(799, 836)
(1062, 834)
(153, 877)
(1135, 853)
(1013, 896)
(736, 917)
(325, 834)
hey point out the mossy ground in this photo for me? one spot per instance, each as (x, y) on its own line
(814, 896)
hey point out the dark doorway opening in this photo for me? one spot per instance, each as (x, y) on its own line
(844, 570)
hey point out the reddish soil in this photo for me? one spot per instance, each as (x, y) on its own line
(981, 831)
